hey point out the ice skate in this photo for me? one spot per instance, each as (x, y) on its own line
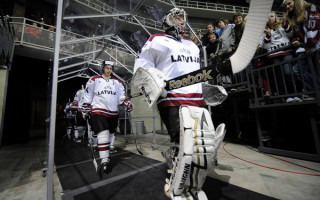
(170, 156)
(77, 140)
(104, 167)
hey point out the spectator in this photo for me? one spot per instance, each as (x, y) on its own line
(227, 38)
(240, 23)
(199, 34)
(212, 48)
(42, 23)
(32, 33)
(274, 38)
(193, 38)
(205, 39)
(51, 33)
(299, 16)
(226, 44)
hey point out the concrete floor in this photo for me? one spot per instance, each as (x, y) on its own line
(285, 178)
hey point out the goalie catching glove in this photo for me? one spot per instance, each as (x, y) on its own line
(151, 83)
(86, 111)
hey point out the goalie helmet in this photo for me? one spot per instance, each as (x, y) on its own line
(174, 22)
(105, 63)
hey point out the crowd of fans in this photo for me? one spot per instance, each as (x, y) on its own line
(295, 35)
(36, 32)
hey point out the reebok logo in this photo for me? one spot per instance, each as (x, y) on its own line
(200, 77)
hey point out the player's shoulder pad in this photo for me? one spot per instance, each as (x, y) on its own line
(116, 79)
(155, 35)
(93, 78)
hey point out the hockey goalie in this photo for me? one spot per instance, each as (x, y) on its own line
(168, 73)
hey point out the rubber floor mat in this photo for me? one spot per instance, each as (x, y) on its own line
(132, 177)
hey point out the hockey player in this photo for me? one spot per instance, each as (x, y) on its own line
(80, 125)
(102, 96)
(69, 115)
(166, 56)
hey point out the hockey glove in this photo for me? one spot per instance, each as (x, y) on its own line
(74, 106)
(128, 105)
(86, 111)
(151, 82)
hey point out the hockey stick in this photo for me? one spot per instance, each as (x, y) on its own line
(91, 149)
(137, 146)
(135, 142)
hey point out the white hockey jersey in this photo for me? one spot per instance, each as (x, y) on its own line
(68, 110)
(78, 98)
(104, 95)
(173, 58)
(277, 39)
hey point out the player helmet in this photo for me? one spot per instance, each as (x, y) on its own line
(168, 21)
(106, 62)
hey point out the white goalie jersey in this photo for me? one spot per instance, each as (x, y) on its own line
(104, 95)
(173, 58)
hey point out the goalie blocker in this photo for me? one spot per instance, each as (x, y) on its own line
(199, 142)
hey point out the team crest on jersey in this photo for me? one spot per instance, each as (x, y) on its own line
(107, 87)
(185, 51)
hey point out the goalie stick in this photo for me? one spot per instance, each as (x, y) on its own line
(137, 146)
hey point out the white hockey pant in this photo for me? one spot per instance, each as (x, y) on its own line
(199, 142)
(103, 144)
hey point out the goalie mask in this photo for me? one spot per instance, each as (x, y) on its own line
(174, 22)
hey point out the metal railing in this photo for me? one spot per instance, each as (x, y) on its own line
(293, 81)
(106, 9)
(72, 44)
(212, 6)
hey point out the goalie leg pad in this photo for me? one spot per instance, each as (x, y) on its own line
(198, 145)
